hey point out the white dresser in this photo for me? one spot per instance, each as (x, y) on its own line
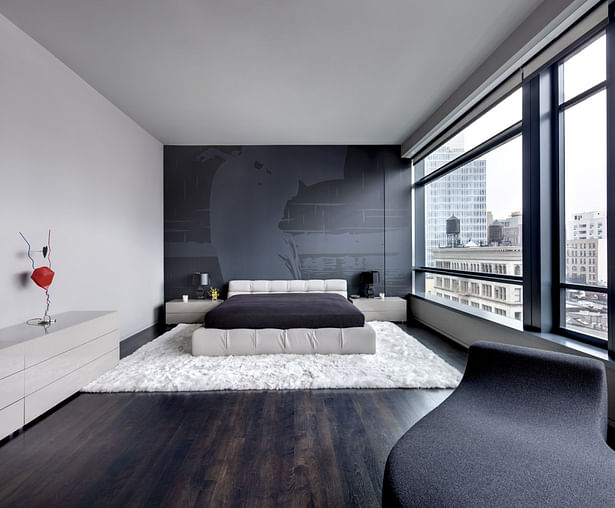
(40, 367)
(391, 308)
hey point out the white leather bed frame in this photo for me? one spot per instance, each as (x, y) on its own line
(244, 341)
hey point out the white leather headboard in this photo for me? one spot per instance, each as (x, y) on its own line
(246, 287)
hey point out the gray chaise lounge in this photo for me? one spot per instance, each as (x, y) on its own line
(524, 428)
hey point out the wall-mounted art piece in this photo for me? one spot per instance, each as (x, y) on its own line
(286, 212)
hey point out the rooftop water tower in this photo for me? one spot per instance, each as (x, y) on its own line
(453, 228)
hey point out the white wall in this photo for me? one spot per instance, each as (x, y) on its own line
(72, 162)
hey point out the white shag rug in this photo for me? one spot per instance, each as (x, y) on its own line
(166, 365)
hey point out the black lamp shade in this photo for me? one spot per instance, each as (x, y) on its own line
(371, 277)
(200, 279)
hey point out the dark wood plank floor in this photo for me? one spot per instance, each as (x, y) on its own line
(261, 448)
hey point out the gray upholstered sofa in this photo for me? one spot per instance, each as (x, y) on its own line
(524, 428)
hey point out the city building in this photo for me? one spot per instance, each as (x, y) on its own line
(510, 230)
(585, 225)
(586, 261)
(499, 298)
(460, 194)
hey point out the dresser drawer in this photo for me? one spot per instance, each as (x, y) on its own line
(47, 346)
(185, 317)
(192, 311)
(11, 418)
(385, 315)
(11, 389)
(11, 360)
(45, 398)
(45, 373)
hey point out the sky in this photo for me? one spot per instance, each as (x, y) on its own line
(585, 131)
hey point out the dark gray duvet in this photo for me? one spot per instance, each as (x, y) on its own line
(285, 310)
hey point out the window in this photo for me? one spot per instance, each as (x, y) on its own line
(582, 103)
(472, 212)
(470, 201)
(500, 292)
(505, 114)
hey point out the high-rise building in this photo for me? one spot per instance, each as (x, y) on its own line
(462, 194)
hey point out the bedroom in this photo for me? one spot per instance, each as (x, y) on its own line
(158, 141)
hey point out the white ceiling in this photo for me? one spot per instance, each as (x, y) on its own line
(272, 72)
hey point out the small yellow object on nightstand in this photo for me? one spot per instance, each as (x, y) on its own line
(214, 293)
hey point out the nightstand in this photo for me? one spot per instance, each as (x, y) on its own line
(391, 308)
(192, 311)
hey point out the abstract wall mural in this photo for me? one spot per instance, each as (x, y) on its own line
(285, 212)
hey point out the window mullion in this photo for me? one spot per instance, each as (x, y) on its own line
(537, 204)
(610, 175)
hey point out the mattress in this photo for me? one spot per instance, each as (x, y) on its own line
(285, 311)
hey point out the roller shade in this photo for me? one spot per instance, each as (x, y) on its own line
(592, 20)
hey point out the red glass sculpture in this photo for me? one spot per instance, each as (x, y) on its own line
(43, 276)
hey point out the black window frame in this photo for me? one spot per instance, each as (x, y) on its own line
(418, 191)
(559, 106)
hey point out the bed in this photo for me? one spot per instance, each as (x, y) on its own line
(285, 316)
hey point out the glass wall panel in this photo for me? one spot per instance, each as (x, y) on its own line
(584, 172)
(473, 219)
(586, 312)
(584, 69)
(497, 119)
(478, 296)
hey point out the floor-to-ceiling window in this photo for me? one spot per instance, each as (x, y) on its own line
(472, 187)
(581, 94)
(535, 161)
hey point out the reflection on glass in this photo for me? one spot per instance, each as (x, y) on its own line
(584, 69)
(585, 192)
(586, 312)
(504, 300)
(500, 117)
(473, 218)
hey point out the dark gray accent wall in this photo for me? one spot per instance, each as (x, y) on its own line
(286, 212)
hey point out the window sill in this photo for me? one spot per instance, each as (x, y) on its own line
(473, 311)
(575, 345)
(560, 340)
